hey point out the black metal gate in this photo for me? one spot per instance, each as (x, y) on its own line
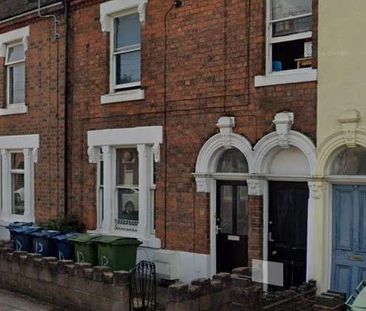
(143, 286)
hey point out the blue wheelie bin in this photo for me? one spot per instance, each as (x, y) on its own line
(17, 224)
(22, 237)
(43, 243)
(64, 247)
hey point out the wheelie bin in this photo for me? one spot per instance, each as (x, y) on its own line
(43, 243)
(85, 249)
(118, 253)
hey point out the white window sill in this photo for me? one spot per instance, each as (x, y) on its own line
(123, 96)
(286, 77)
(13, 218)
(14, 109)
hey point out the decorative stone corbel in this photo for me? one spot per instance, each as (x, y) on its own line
(156, 152)
(202, 182)
(142, 151)
(25, 43)
(141, 9)
(93, 154)
(35, 155)
(349, 121)
(226, 124)
(110, 8)
(316, 189)
(283, 122)
(255, 187)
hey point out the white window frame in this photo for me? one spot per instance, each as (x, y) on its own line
(108, 12)
(286, 76)
(99, 203)
(114, 87)
(147, 140)
(13, 171)
(9, 65)
(28, 145)
(115, 187)
(8, 39)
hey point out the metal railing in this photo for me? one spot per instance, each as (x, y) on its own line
(143, 287)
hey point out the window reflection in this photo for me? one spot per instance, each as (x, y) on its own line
(232, 161)
(350, 161)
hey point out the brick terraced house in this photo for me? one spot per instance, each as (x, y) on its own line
(191, 126)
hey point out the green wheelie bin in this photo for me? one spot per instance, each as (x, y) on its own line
(118, 253)
(85, 248)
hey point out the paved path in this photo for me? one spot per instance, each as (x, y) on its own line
(10, 301)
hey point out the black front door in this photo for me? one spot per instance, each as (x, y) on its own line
(232, 225)
(287, 227)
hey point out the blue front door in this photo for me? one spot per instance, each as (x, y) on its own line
(349, 237)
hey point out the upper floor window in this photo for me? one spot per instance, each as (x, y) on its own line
(15, 74)
(126, 52)
(289, 35)
(123, 20)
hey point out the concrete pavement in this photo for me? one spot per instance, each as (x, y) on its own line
(10, 301)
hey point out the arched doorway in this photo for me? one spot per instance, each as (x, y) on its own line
(339, 205)
(347, 173)
(223, 165)
(286, 161)
(231, 212)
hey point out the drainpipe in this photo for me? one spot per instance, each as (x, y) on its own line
(56, 35)
(66, 101)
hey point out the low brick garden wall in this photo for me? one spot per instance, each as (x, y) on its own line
(82, 287)
(236, 291)
(63, 282)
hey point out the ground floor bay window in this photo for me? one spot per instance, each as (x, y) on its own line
(18, 156)
(125, 184)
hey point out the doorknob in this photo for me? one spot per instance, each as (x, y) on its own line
(270, 237)
(218, 229)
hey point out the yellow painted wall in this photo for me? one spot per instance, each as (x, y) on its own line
(341, 87)
(342, 62)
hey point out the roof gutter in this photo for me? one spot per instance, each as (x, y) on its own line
(35, 11)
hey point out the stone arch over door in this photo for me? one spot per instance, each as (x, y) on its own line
(284, 138)
(214, 147)
(328, 149)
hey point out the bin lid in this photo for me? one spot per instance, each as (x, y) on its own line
(360, 301)
(17, 224)
(45, 233)
(117, 240)
(26, 229)
(65, 237)
(84, 238)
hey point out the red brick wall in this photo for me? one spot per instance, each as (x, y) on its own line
(206, 79)
(255, 232)
(44, 88)
(197, 95)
